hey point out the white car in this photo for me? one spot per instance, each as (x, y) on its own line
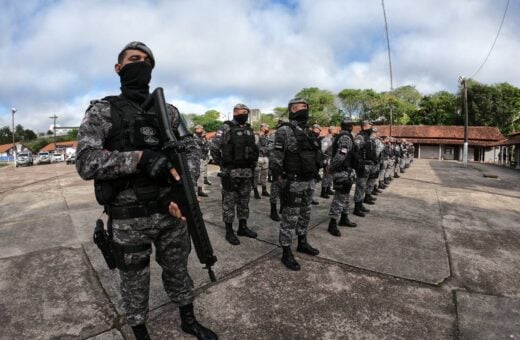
(57, 157)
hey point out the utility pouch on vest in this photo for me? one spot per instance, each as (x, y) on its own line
(105, 191)
(227, 154)
(145, 189)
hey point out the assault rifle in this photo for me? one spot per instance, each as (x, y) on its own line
(183, 191)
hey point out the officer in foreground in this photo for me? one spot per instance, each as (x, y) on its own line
(342, 164)
(119, 147)
(234, 149)
(294, 163)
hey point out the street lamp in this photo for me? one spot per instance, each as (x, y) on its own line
(463, 83)
(13, 111)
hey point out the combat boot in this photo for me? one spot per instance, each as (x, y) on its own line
(375, 192)
(243, 230)
(345, 222)
(230, 235)
(201, 193)
(396, 175)
(206, 181)
(329, 191)
(370, 197)
(304, 247)
(264, 191)
(314, 202)
(369, 200)
(257, 194)
(288, 259)
(333, 228)
(387, 181)
(191, 326)
(382, 185)
(140, 332)
(358, 211)
(364, 209)
(324, 193)
(274, 214)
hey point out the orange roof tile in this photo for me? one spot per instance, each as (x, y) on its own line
(69, 144)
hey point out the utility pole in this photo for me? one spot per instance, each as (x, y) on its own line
(463, 83)
(389, 66)
(13, 111)
(54, 117)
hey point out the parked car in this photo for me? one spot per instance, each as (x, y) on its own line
(44, 158)
(71, 159)
(57, 157)
(24, 158)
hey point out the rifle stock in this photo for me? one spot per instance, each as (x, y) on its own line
(184, 190)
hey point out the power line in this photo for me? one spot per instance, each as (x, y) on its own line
(493, 45)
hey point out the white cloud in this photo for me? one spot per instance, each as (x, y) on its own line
(211, 55)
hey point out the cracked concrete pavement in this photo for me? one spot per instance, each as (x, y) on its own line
(436, 258)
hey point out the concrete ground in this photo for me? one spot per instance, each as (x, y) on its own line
(436, 258)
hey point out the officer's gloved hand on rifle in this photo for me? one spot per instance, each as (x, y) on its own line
(155, 165)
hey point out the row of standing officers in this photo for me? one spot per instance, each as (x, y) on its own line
(293, 157)
(120, 148)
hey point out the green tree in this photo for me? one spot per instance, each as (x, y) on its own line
(6, 136)
(209, 120)
(408, 93)
(73, 134)
(440, 108)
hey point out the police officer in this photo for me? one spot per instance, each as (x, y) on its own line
(326, 149)
(366, 156)
(234, 149)
(119, 147)
(342, 164)
(398, 157)
(275, 185)
(294, 163)
(200, 138)
(262, 166)
(316, 131)
(372, 185)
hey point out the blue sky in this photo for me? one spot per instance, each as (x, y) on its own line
(212, 54)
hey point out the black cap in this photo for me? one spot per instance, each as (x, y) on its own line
(137, 45)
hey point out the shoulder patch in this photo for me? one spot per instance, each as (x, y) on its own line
(219, 133)
(343, 151)
(278, 146)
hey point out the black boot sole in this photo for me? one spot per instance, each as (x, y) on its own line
(249, 233)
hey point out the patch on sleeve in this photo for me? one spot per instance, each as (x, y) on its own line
(278, 146)
(219, 133)
(343, 151)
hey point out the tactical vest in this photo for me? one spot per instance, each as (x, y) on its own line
(304, 163)
(241, 150)
(369, 149)
(132, 129)
(349, 159)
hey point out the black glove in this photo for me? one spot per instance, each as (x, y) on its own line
(155, 164)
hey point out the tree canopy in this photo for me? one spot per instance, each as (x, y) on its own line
(488, 105)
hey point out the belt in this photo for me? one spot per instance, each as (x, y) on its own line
(133, 211)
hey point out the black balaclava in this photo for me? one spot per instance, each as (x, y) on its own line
(241, 119)
(301, 116)
(135, 79)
